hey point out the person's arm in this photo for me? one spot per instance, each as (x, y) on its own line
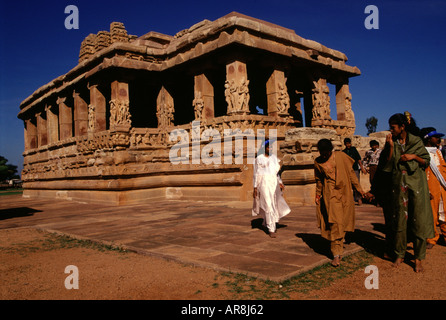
(354, 178)
(409, 157)
(362, 167)
(358, 160)
(389, 146)
(420, 155)
(254, 178)
(318, 177)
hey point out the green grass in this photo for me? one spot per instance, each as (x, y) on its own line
(8, 192)
(245, 287)
(53, 241)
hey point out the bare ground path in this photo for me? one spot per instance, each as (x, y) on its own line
(186, 251)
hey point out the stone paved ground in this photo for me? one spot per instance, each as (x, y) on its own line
(222, 236)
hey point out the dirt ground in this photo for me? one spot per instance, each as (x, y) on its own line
(32, 267)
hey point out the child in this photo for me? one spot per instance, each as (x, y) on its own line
(371, 159)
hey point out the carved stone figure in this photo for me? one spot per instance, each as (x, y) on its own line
(165, 109)
(198, 104)
(237, 96)
(119, 112)
(283, 103)
(91, 118)
(321, 100)
(349, 114)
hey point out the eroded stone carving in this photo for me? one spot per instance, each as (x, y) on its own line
(237, 96)
(198, 104)
(119, 112)
(321, 100)
(349, 114)
(283, 103)
(165, 109)
(91, 118)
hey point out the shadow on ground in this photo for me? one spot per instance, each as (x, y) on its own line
(17, 213)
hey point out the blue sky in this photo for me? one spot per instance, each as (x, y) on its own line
(403, 62)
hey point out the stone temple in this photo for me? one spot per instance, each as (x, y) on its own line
(103, 131)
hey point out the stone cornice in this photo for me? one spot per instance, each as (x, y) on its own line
(157, 52)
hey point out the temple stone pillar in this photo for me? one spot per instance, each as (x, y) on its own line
(204, 98)
(120, 118)
(236, 88)
(343, 102)
(65, 120)
(321, 102)
(97, 120)
(277, 94)
(42, 131)
(165, 109)
(80, 115)
(30, 134)
(52, 124)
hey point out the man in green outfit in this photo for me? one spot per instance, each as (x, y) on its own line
(407, 159)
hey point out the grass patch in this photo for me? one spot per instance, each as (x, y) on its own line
(53, 241)
(8, 192)
(245, 287)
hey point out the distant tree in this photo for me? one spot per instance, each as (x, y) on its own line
(371, 124)
(7, 171)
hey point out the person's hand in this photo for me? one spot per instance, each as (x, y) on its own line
(318, 199)
(369, 196)
(407, 157)
(282, 187)
(254, 194)
(364, 171)
(389, 140)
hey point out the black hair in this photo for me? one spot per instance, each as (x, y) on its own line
(424, 132)
(324, 145)
(374, 143)
(347, 140)
(409, 123)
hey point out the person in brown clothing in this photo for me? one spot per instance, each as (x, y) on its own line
(334, 176)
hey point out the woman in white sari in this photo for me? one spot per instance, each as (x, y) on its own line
(268, 199)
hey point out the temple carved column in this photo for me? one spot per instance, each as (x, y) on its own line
(343, 102)
(30, 134)
(277, 94)
(52, 123)
(344, 107)
(42, 131)
(204, 98)
(321, 101)
(65, 120)
(80, 115)
(97, 120)
(120, 118)
(236, 88)
(165, 109)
